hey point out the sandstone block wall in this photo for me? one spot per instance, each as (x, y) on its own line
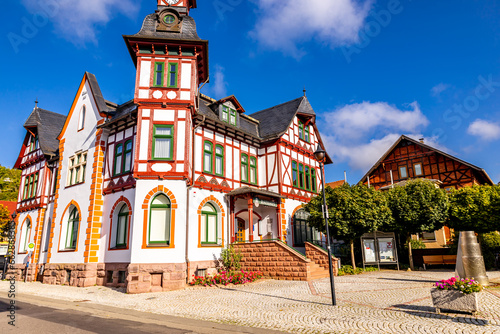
(320, 257)
(275, 260)
(143, 278)
(80, 275)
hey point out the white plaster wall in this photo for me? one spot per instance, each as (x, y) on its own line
(118, 255)
(159, 255)
(76, 141)
(46, 233)
(196, 197)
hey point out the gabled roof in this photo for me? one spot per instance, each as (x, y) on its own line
(275, 121)
(403, 137)
(48, 124)
(335, 184)
(234, 100)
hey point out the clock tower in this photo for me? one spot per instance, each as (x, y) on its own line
(171, 62)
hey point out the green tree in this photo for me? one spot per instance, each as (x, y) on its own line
(4, 222)
(475, 208)
(9, 183)
(417, 207)
(353, 211)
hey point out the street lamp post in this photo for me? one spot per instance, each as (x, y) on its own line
(320, 155)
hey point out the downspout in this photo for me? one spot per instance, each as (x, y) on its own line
(188, 266)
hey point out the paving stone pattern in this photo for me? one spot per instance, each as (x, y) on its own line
(379, 302)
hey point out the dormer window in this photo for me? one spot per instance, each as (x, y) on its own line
(229, 115)
(33, 143)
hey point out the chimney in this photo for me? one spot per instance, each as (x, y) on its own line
(421, 140)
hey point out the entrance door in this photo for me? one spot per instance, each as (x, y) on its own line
(240, 235)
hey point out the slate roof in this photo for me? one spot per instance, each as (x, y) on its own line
(49, 124)
(249, 190)
(96, 91)
(121, 112)
(188, 31)
(275, 121)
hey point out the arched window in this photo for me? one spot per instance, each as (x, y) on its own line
(25, 235)
(122, 227)
(219, 160)
(209, 225)
(81, 119)
(302, 232)
(208, 156)
(159, 220)
(72, 229)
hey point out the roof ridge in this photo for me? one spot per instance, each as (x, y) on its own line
(278, 105)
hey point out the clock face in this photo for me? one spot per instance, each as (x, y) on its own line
(171, 2)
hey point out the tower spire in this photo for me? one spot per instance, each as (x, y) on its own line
(304, 91)
(36, 103)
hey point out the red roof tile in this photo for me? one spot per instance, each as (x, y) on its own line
(11, 206)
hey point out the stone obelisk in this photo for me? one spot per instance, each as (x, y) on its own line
(472, 261)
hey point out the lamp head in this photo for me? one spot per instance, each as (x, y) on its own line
(14, 215)
(320, 154)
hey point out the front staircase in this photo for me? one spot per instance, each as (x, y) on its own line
(317, 271)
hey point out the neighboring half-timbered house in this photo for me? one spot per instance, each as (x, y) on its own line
(149, 192)
(411, 159)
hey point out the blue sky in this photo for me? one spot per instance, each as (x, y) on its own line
(373, 70)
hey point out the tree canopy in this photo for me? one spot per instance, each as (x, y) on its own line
(9, 183)
(4, 221)
(417, 207)
(476, 209)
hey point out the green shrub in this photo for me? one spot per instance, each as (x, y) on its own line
(349, 270)
(231, 259)
(416, 244)
(490, 245)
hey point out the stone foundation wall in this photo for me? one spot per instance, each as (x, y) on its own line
(17, 271)
(320, 257)
(275, 260)
(196, 268)
(80, 275)
(143, 278)
(113, 275)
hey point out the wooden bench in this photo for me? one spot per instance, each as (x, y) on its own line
(439, 259)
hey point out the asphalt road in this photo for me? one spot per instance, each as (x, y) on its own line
(41, 315)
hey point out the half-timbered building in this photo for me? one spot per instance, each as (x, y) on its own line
(412, 159)
(148, 193)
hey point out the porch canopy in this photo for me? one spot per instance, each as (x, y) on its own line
(255, 197)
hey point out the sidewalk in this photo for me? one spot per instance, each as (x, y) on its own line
(379, 302)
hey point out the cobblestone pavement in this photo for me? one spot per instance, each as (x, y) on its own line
(378, 302)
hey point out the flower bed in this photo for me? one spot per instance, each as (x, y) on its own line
(465, 285)
(226, 278)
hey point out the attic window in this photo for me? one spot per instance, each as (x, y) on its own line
(33, 144)
(304, 132)
(228, 115)
(81, 119)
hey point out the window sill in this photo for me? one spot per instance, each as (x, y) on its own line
(74, 185)
(163, 87)
(161, 160)
(67, 250)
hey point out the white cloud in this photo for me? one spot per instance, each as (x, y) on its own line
(357, 120)
(485, 130)
(77, 20)
(438, 89)
(217, 88)
(359, 134)
(281, 25)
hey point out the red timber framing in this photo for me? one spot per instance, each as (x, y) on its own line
(422, 161)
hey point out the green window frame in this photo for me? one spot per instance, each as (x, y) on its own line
(233, 117)
(56, 174)
(301, 176)
(225, 114)
(209, 225)
(30, 186)
(172, 75)
(159, 225)
(253, 170)
(219, 160)
(208, 157)
(308, 178)
(313, 180)
(35, 186)
(33, 143)
(122, 227)
(159, 74)
(118, 159)
(244, 167)
(26, 186)
(127, 156)
(294, 174)
(72, 229)
(163, 139)
(307, 134)
(27, 228)
(301, 130)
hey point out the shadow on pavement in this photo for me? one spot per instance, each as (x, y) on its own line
(406, 280)
(425, 311)
(280, 297)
